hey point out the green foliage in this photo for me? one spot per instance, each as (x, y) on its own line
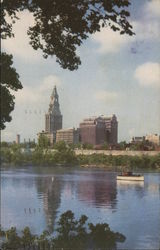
(70, 234)
(103, 237)
(61, 26)
(13, 241)
(60, 146)
(105, 146)
(65, 155)
(87, 146)
(4, 144)
(43, 141)
(122, 145)
(9, 81)
(120, 160)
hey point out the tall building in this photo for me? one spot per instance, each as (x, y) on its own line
(17, 139)
(53, 118)
(98, 130)
(92, 131)
(111, 129)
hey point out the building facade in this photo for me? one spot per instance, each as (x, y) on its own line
(92, 131)
(137, 139)
(111, 125)
(153, 138)
(53, 118)
(70, 136)
(99, 130)
(17, 139)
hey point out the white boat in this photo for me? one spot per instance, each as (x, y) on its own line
(128, 176)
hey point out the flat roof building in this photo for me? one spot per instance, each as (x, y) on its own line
(70, 136)
(154, 138)
(92, 131)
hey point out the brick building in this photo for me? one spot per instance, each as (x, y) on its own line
(92, 131)
(98, 130)
(111, 124)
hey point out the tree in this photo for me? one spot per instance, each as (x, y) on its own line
(70, 234)
(9, 81)
(61, 26)
(43, 141)
(60, 146)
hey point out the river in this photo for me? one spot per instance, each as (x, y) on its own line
(36, 196)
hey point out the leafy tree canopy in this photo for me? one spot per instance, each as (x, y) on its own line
(43, 141)
(9, 81)
(70, 234)
(61, 26)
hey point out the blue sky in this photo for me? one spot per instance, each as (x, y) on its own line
(119, 75)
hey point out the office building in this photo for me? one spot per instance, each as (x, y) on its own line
(68, 135)
(53, 118)
(92, 131)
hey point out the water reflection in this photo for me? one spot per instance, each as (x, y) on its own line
(49, 190)
(35, 196)
(98, 190)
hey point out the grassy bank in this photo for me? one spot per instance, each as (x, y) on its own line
(67, 156)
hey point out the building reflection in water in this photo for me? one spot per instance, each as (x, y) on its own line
(49, 190)
(98, 191)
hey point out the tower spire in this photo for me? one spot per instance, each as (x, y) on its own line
(53, 118)
(54, 103)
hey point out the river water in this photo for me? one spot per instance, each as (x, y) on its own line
(35, 197)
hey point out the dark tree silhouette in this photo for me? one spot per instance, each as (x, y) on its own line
(9, 81)
(60, 27)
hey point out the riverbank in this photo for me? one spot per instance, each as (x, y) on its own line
(116, 152)
(87, 158)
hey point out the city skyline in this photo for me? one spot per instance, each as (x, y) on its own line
(119, 74)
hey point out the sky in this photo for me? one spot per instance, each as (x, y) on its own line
(119, 75)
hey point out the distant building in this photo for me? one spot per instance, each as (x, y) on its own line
(137, 139)
(92, 131)
(99, 130)
(153, 138)
(68, 135)
(50, 136)
(111, 124)
(53, 119)
(17, 139)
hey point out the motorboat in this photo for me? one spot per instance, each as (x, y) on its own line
(129, 176)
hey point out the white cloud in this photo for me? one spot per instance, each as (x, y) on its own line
(147, 27)
(153, 8)
(148, 74)
(19, 45)
(146, 32)
(7, 135)
(37, 95)
(110, 41)
(106, 96)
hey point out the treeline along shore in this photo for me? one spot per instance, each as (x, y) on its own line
(62, 154)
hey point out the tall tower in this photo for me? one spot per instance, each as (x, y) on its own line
(53, 119)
